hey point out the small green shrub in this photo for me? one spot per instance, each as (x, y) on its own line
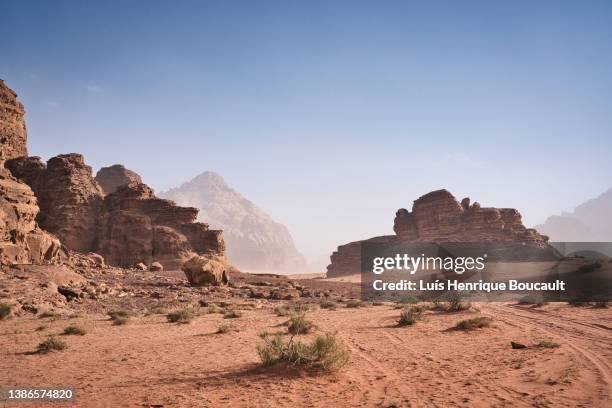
(74, 329)
(326, 353)
(51, 344)
(475, 323)
(328, 305)
(531, 300)
(232, 314)
(120, 320)
(5, 311)
(548, 344)
(182, 316)
(409, 316)
(298, 324)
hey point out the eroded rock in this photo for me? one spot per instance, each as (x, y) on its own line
(205, 271)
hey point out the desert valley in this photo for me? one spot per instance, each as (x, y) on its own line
(132, 300)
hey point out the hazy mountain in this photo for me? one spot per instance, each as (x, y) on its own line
(253, 239)
(591, 221)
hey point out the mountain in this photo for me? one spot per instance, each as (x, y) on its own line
(254, 241)
(591, 221)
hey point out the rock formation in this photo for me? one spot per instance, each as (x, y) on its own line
(113, 177)
(439, 217)
(201, 271)
(69, 197)
(254, 240)
(127, 226)
(21, 240)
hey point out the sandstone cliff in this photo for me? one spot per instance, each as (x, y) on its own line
(254, 240)
(439, 217)
(21, 240)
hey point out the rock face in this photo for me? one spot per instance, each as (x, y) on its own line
(136, 226)
(13, 135)
(254, 240)
(69, 197)
(113, 177)
(439, 217)
(21, 240)
(201, 271)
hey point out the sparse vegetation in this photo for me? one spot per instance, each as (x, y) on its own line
(548, 344)
(226, 328)
(113, 314)
(328, 305)
(120, 320)
(74, 329)
(579, 301)
(531, 300)
(48, 314)
(601, 304)
(326, 353)
(298, 324)
(232, 314)
(475, 323)
(51, 344)
(5, 311)
(42, 327)
(410, 315)
(182, 316)
(353, 303)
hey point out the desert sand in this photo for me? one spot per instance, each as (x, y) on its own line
(152, 363)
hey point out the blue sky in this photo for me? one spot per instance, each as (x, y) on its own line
(329, 115)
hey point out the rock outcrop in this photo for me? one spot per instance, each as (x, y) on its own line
(201, 271)
(21, 240)
(136, 226)
(254, 240)
(113, 177)
(69, 197)
(439, 217)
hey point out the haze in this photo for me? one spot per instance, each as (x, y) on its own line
(329, 116)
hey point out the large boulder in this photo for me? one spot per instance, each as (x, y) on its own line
(113, 177)
(204, 271)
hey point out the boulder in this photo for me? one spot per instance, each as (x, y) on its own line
(113, 177)
(205, 271)
(140, 266)
(156, 267)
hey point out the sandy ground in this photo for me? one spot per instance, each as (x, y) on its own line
(150, 362)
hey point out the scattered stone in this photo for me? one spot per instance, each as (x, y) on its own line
(156, 267)
(140, 266)
(516, 345)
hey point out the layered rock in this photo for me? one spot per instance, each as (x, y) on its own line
(21, 240)
(69, 197)
(439, 217)
(254, 240)
(113, 177)
(136, 226)
(13, 135)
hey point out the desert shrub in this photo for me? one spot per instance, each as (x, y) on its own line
(41, 327)
(409, 300)
(328, 305)
(5, 311)
(159, 310)
(409, 316)
(180, 316)
(74, 329)
(548, 344)
(48, 314)
(282, 311)
(357, 303)
(304, 307)
(475, 323)
(113, 314)
(579, 301)
(51, 344)
(450, 302)
(378, 303)
(120, 320)
(531, 300)
(226, 328)
(600, 304)
(326, 353)
(232, 314)
(298, 324)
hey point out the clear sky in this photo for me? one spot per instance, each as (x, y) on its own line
(329, 115)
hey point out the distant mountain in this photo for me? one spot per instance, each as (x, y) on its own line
(253, 239)
(591, 221)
